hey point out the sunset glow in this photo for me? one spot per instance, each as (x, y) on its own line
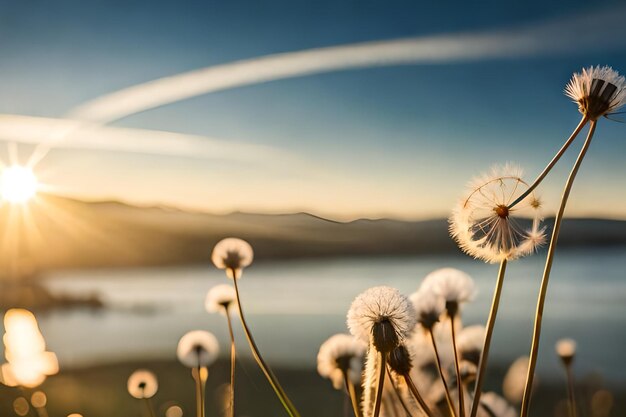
(18, 185)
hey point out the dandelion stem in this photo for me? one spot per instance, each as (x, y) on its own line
(534, 352)
(280, 393)
(398, 394)
(553, 162)
(233, 354)
(457, 367)
(416, 394)
(352, 394)
(381, 384)
(570, 390)
(484, 356)
(149, 407)
(440, 369)
(199, 392)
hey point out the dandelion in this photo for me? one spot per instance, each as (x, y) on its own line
(598, 91)
(221, 298)
(21, 407)
(566, 350)
(383, 318)
(456, 287)
(514, 380)
(142, 384)
(428, 306)
(485, 227)
(197, 350)
(174, 411)
(232, 254)
(340, 359)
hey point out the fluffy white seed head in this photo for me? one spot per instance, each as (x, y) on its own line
(515, 380)
(142, 384)
(383, 316)
(485, 227)
(341, 354)
(598, 91)
(220, 299)
(232, 254)
(566, 349)
(428, 306)
(453, 285)
(197, 348)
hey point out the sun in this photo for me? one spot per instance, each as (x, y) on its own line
(18, 184)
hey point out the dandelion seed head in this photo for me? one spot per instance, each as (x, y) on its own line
(142, 384)
(341, 354)
(383, 316)
(197, 348)
(566, 349)
(496, 405)
(598, 91)
(232, 254)
(470, 343)
(428, 306)
(514, 381)
(485, 226)
(455, 286)
(220, 299)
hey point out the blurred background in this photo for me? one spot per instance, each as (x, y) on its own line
(334, 136)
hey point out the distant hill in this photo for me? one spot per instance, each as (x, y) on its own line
(60, 232)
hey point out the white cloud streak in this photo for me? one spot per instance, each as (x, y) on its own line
(47, 132)
(604, 29)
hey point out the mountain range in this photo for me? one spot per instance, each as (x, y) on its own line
(58, 232)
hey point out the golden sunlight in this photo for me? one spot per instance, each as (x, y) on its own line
(18, 185)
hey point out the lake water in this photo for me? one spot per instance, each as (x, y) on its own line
(294, 306)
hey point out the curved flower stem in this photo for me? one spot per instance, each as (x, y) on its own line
(352, 394)
(534, 352)
(417, 395)
(484, 356)
(233, 354)
(398, 394)
(457, 367)
(280, 393)
(553, 162)
(570, 390)
(381, 384)
(443, 378)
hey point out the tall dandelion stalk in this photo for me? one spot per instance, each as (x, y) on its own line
(220, 299)
(485, 226)
(197, 350)
(598, 91)
(566, 349)
(232, 255)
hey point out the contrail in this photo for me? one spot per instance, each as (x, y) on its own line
(600, 30)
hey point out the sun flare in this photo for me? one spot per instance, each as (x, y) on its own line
(18, 184)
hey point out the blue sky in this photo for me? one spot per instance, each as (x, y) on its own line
(397, 140)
